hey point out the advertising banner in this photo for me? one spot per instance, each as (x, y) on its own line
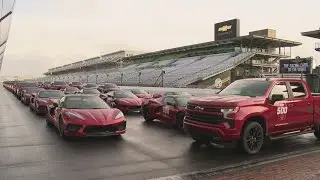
(296, 66)
(227, 29)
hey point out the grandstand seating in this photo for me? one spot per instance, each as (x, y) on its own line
(178, 72)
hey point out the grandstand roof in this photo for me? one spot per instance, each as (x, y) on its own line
(312, 34)
(248, 40)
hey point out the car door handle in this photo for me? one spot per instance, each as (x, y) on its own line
(309, 103)
(290, 105)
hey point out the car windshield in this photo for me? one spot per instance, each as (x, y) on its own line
(124, 94)
(90, 91)
(76, 83)
(91, 85)
(182, 101)
(110, 86)
(50, 94)
(28, 84)
(60, 83)
(71, 89)
(34, 90)
(85, 102)
(247, 88)
(139, 91)
(178, 94)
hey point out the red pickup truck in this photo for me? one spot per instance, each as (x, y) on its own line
(249, 111)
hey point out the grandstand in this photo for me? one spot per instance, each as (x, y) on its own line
(212, 64)
(313, 34)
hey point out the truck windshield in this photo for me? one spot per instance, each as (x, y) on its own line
(247, 88)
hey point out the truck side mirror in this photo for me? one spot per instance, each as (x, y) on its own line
(276, 97)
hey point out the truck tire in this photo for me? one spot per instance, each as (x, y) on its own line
(179, 121)
(252, 138)
(317, 134)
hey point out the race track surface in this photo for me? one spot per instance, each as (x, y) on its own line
(31, 151)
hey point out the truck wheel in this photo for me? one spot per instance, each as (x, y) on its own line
(252, 138)
(317, 134)
(146, 115)
(179, 120)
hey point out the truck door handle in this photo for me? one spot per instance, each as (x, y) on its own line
(309, 103)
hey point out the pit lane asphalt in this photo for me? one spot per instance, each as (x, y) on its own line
(30, 150)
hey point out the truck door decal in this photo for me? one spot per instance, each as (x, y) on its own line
(282, 110)
(166, 109)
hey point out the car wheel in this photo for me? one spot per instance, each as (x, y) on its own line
(179, 121)
(146, 115)
(317, 134)
(252, 138)
(61, 130)
(48, 123)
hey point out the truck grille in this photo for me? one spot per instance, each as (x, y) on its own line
(204, 118)
(108, 128)
(206, 109)
(135, 107)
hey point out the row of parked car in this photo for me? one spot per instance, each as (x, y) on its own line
(248, 111)
(97, 106)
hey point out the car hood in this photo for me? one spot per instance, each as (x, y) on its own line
(129, 101)
(96, 116)
(221, 100)
(143, 95)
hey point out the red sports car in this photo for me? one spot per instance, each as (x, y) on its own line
(78, 85)
(85, 115)
(46, 85)
(126, 101)
(38, 101)
(59, 85)
(141, 93)
(71, 90)
(162, 95)
(26, 94)
(170, 109)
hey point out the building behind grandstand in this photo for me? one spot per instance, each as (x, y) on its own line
(212, 64)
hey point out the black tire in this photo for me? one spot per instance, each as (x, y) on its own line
(146, 115)
(48, 123)
(179, 121)
(252, 139)
(61, 132)
(317, 134)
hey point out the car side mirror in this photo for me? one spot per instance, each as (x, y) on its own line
(55, 104)
(276, 97)
(33, 95)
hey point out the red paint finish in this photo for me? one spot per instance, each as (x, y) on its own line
(207, 115)
(86, 122)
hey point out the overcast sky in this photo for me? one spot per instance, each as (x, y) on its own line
(48, 33)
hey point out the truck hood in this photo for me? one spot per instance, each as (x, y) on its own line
(225, 100)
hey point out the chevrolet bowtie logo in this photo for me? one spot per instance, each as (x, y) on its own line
(198, 108)
(224, 28)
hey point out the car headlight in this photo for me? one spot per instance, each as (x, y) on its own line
(119, 115)
(74, 116)
(230, 110)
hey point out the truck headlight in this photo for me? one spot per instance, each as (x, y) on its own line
(230, 110)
